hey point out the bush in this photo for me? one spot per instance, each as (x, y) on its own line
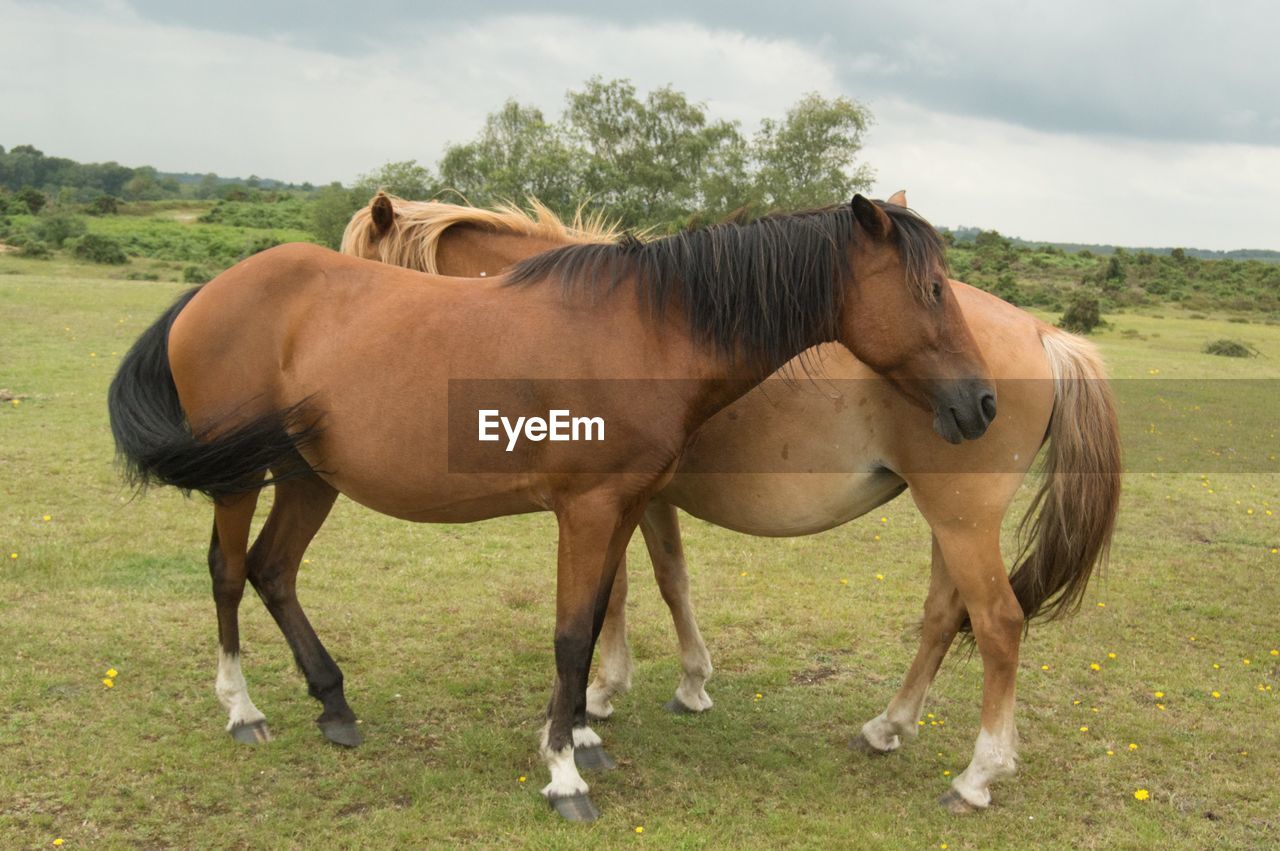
(33, 199)
(103, 205)
(1082, 314)
(196, 275)
(56, 227)
(32, 248)
(1230, 349)
(97, 248)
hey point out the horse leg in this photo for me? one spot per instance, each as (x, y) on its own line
(660, 526)
(300, 507)
(971, 553)
(593, 537)
(227, 545)
(943, 614)
(613, 676)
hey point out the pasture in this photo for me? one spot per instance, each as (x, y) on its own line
(1165, 683)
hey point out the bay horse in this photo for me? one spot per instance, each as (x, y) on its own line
(321, 373)
(874, 443)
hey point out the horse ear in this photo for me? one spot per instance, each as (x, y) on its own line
(384, 215)
(873, 220)
(899, 198)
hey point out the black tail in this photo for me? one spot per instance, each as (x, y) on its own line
(155, 445)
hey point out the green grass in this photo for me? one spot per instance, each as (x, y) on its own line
(444, 633)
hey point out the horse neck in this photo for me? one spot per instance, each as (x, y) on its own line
(466, 251)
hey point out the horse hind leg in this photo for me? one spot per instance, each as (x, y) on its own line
(613, 675)
(227, 568)
(300, 508)
(943, 614)
(660, 526)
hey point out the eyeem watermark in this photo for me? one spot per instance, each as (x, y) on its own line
(559, 426)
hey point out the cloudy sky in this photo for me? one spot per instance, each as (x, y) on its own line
(1139, 123)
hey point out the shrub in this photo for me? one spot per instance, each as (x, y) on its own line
(196, 275)
(103, 205)
(1229, 349)
(1082, 314)
(55, 227)
(97, 248)
(33, 199)
(33, 248)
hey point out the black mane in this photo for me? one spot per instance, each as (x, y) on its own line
(767, 289)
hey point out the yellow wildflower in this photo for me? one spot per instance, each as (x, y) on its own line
(879, 577)
(112, 672)
(1111, 655)
(1142, 794)
(521, 779)
(1095, 667)
(108, 682)
(1133, 746)
(1215, 694)
(639, 828)
(1159, 694)
(57, 841)
(1084, 729)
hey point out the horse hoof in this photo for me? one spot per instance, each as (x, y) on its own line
(593, 759)
(677, 707)
(575, 808)
(344, 733)
(251, 734)
(861, 743)
(953, 802)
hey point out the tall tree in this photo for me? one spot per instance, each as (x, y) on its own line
(517, 155)
(809, 158)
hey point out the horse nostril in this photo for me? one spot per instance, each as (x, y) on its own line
(988, 405)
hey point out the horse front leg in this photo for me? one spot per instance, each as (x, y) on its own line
(660, 526)
(593, 537)
(972, 557)
(943, 614)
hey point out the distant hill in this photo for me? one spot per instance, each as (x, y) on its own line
(969, 234)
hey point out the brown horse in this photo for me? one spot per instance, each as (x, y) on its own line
(874, 443)
(341, 375)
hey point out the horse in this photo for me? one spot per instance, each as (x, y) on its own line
(874, 444)
(320, 373)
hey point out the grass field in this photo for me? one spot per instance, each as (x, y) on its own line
(444, 633)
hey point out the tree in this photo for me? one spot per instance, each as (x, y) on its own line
(332, 210)
(517, 155)
(1083, 314)
(652, 162)
(809, 158)
(406, 179)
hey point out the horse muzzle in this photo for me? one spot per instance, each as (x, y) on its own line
(963, 409)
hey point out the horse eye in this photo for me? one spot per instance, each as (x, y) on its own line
(937, 290)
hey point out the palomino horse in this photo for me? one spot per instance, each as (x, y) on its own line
(338, 375)
(874, 443)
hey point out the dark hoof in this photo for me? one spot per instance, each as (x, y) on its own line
(344, 733)
(251, 734)
(675, 707)
(861, 743)
(593, 759)
(575, 808)
(953, 802)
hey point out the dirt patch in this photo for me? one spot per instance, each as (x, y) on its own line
(814, 675)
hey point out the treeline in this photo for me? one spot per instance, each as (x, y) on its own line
(969, 234)
(1049, 277)
(37, 180)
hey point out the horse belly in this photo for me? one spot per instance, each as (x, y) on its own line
(781, 504)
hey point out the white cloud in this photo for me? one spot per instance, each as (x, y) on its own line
(102, 82)
(1068, 188)
(115, 86)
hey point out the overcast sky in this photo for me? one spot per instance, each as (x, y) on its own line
(1139, 123)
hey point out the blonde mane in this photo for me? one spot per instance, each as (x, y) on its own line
(414, 237)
